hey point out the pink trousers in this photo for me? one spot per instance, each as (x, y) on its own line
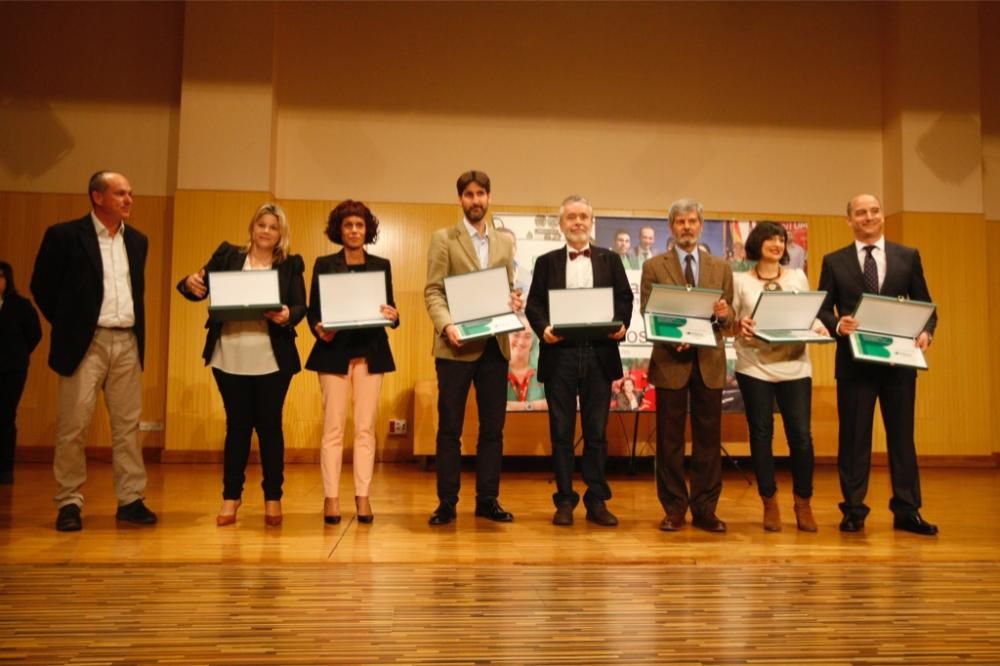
(336, 390)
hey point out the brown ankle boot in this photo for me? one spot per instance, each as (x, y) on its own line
(804, 514)
(772, 514)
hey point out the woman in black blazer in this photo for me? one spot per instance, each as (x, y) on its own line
(19, 335)
(350, 361)
(253, 361)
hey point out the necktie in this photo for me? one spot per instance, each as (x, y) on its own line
(871, 271)
(581, 253)
(689, 270)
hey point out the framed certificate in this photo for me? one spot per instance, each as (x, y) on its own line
(783, 317)
(479, 303)
(888, 329)
(242, 295)
(583, 314)
(352, 300)
(681, 315)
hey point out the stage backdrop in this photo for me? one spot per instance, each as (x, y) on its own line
(635, 239)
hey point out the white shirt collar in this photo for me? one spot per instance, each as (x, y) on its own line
(99, 226)
(475, 232)
(859, 247)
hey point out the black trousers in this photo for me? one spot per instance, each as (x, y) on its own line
(895, 389)
(795, 404)
(253, 402)
(489, 375)
(576, 371)
(11, 388)
(706, 447)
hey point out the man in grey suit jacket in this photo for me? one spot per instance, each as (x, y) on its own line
(89, 283)
(471, 245)
(872, 264)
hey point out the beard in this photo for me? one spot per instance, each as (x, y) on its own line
(474, 213)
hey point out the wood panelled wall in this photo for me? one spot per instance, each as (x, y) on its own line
(951, 398)
(23, 220)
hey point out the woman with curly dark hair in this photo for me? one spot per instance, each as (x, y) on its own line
(350, 362)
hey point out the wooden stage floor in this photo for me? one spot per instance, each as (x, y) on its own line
(401, 592)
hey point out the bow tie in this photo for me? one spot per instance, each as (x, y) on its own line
(581, 253)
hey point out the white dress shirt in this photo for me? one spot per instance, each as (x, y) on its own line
(579, 271)
(480, 241)
(117, 309)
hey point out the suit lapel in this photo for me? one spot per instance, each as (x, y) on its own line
(673, 264)
(557, 279)
(602, 276)
(466, 242)
(88, 236)
(857, 276)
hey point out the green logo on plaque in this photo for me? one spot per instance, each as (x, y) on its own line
(875, 345)
(668, 327)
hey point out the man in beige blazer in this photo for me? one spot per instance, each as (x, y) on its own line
(680, 372)
(470, 245)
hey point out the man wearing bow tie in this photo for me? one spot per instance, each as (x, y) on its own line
(683, 374)
(570, 368)
(873, 265)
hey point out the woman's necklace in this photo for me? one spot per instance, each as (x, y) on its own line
(771, 283)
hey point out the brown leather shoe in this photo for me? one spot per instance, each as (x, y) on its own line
(709, 523)
(772, 514)
(563, 515)
(672, 522)
(599, 515)
(804, 515)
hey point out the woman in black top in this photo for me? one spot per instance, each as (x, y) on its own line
(350, 361)
(19, 335)
(253, 361)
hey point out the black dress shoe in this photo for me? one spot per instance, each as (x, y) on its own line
(852, 524)
(135, 512)
(709, 523)
(442, 515)
(68, 519)
(331, 520)
(914, 523)
(493, 511)
(363, 518)
(672, 522)
(563, 515)
(599, 514)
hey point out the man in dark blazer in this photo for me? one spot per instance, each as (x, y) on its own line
(88, 281)
(585, 368)
(873, 265)
(683, 374)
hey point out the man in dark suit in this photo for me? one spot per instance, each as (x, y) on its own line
(681, 374)
(88, 282)
(873, 265)
(585, 368)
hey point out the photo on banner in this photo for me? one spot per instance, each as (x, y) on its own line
(635, 239)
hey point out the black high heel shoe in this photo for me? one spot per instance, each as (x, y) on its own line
(330, 519)
(366, 519)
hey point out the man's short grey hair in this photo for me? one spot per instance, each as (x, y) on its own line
(572, 199)
(686, 206)
(99, 182)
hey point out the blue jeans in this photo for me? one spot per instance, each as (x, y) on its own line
(795, 404)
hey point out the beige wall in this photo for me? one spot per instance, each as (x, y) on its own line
(743, 106)
(86, 86)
